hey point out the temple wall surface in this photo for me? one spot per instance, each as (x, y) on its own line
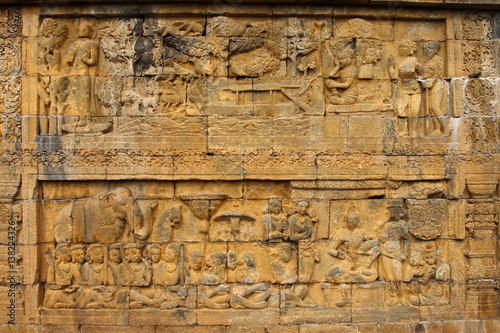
(250, 167)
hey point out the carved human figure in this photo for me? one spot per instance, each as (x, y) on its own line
(393, 235)
(367, 70)
(54, 36)
(77, 259)
(231, 264)
(164, 297)
(52, 97)
(61, 274)
(245, 271)
(425, 263)
(283, 269)
(215, 268)
(341, 81)
(154, 255)
(276, 221)
(303, 231)
(167, 271)
(93, 270)
(137, 269)
(105, 297)
(62, 297)
(297, 297)
(61, 270)
(215, 297)
(115, 265)
(252, 296)
(82, 56)
(353, 244)
(43, 90)
(407, 93)
(435, 94)
(194, 267)
(175, 296)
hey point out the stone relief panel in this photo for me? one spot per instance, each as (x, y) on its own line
(345, 135)
(98, 73)
(130, 246)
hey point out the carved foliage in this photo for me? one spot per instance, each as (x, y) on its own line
(478, 58)
(476, 25)
(10, 22)
(480, 96)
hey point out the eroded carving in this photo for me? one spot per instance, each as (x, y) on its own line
(407, 96)
(10, 22)
(435, 94)
(479, 96)
(476, 25)
(355, 250)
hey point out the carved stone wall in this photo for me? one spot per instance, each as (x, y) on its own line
(263, 168)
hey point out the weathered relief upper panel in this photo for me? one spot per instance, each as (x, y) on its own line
(100, 76)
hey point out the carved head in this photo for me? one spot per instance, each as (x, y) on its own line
(133, 252)
(95, 254)
(122, 202)
(431, 48)
(114, 254)
(216, 260)
(86, 30)
(195, 260)
(175, 217)
(281, 252)
(77, 253)
(396, 212)
(170, 255)
(416, 258)
(407, 48)
(62, 253)
(352, 218)
(301, 206)
(155, 253)
(370, 56)
(345, 56)
(275, 206)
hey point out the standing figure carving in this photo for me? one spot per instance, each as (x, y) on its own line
(303, 231)
(82, 57)
(393, 236)
(407, 95)
(435, 94)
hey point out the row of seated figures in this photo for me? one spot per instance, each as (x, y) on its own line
(290, 255)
